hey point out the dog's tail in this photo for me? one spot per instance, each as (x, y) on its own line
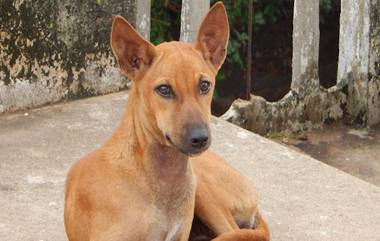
(260, 233)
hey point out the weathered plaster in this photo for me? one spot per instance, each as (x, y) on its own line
(354, 51)
(52, 50)
(306, 38)
(292, 113)
(374, 66)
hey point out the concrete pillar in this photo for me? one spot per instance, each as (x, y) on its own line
(192, 14)
(354, 40)
(354, 52)
(143, 17)
(374, 65)
(305, 44)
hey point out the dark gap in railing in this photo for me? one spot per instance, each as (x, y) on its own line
(271, 57)
(165, 21)
(273, 48)
(329, 42)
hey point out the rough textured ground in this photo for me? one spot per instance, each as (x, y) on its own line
(356, 151)
(301, 198)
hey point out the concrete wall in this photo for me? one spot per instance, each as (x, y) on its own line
(57, 49)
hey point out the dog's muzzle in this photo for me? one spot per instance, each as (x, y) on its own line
(196, 139)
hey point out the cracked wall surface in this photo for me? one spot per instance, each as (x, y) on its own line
(57, 49)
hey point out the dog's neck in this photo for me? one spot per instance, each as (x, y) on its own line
(140, 145)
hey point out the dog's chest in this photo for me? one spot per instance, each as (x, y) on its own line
(166, 230)
(169, 213)
(174, 232)
(168, 219)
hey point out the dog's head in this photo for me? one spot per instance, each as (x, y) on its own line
(174, 81)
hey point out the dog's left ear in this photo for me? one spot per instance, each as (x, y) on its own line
(212, 37)
(133, 53)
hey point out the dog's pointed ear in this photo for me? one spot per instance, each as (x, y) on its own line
(133, 53)
(213, 34)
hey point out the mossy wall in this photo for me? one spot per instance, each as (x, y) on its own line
(57, 49)
(374, 66)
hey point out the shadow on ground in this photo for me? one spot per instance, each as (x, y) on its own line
(355, 151)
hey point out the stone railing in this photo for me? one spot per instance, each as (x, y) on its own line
(355, 97)
(50, 51)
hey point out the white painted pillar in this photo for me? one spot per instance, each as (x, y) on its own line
(305, 44)
(192, 14)
(143, 17)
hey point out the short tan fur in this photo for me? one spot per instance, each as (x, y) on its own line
(155, 173)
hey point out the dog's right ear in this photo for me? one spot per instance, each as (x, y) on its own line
(133, 53)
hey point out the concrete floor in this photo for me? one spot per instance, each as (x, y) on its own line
(300, 197)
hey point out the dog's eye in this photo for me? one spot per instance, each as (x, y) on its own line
(204, 87)
(165, 91)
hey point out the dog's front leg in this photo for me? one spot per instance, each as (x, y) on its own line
(260, 233)
(213, 214)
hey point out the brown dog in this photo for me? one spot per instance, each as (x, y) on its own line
(140, 185)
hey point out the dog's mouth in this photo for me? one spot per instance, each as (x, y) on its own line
(167, 137)
(189, 153)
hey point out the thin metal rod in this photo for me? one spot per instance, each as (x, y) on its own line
(249, 51)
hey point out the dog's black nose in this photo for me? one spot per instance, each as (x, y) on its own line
(199, 138)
